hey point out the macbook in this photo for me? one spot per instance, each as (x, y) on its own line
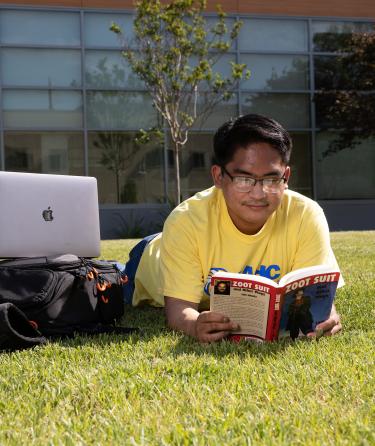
(47, 215)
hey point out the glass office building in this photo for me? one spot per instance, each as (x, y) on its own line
(71, 105)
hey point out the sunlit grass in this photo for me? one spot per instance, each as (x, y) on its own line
(159, 388)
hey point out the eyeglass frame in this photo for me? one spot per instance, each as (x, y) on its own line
(255, 180)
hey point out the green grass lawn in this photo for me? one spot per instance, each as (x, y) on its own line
(161, 388)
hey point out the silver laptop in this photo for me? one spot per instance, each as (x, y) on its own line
(47, 215)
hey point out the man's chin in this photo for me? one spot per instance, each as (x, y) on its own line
(255, 220)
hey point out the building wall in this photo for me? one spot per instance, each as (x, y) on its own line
(332, 8)
(70, 106)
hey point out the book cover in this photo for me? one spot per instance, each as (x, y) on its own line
(266, 310)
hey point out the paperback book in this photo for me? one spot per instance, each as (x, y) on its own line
(266, 310)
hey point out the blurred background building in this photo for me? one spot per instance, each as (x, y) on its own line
(70, 105)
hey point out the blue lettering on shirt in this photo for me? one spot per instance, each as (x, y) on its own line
(271, 271)
(248, 270)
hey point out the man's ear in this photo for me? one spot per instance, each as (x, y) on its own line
(287, 176)
(217, 175)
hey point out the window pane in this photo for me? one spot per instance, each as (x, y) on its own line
(97, 32)
(120, 110)
(271, 72)
(334, 110)
(334, 36)
(291, 110)
(300, 162)
(223, 65)
(106, 69)
(126, 172)
(195, 164)
(40, 27)
(327, 73)
(57, 153)
(48, 109)
(217, 115)
(340, 73)
(54, 68)
(348, 174)
(273, 35)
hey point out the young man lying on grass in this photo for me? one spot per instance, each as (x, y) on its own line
(247, 222)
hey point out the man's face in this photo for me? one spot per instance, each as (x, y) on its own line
(299, 296)
(250, 210)
(221, 286)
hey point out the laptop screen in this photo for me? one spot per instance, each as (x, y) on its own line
(44, 215)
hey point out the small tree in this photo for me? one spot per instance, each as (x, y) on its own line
(174, 53)
(346, 100)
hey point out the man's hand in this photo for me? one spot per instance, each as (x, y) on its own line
(206, 326)
(329, 327)
(211, 327)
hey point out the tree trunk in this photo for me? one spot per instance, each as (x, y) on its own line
(176, 153)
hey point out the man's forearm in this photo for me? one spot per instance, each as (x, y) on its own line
(182, 316)
(186, 322)
(207, 326)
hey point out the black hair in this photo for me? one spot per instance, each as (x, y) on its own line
(249, 129)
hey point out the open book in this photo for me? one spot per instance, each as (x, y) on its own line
(266, 310)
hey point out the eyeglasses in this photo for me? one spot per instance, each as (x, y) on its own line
(246, 184)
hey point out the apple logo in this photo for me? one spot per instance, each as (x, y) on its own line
(47, 214)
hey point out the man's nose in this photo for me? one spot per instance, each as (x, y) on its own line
(257, 190)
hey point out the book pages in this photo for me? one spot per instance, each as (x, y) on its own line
(242, 303)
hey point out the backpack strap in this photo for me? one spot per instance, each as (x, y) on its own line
(16, 331)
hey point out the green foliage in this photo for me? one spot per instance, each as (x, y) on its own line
(175, 52)
(146, 136)
(162, 388)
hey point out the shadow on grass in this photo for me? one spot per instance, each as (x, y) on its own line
(144, 324)
(150, 327)
(226, 348)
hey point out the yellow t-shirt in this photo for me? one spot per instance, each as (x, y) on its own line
(200, 238)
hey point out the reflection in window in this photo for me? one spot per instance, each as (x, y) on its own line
(335, 36)
(341, 73)
(335, 110)
(291, 110)
(273, 35)
(195, 165)
(40, 27)
(43, 152)
(217, 115)
(328, 74)
(55, 68)
(127, 172)
(301, 165)
(120, 110)
(347, 174)
(108, 69)
(48, 109)
(276, 72)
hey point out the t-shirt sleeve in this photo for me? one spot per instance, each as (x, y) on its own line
(314, 245)
(180, 268)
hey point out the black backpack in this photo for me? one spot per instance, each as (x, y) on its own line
(45, 297)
